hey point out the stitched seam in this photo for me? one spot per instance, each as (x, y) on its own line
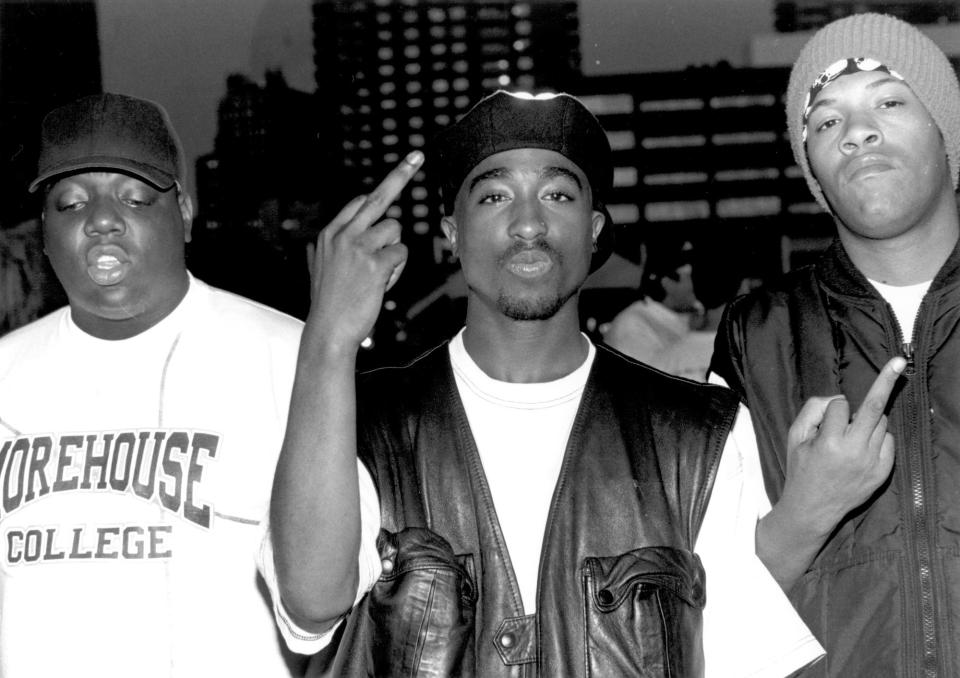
(9, 427)
(421, 631)
(163, 379)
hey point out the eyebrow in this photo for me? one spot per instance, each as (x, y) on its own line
(548, 172)
(872, 85)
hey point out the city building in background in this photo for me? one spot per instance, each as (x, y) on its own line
(389, 75)
(698, 148)
(273, 177)
(39, 44)
(701, 148)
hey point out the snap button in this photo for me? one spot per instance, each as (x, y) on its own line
(387, 565)
(605, 596)
(508, 639)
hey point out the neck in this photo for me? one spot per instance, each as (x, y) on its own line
(526, 351)
(111, 327)
(910, 258)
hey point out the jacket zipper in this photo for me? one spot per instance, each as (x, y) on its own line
(921, 533)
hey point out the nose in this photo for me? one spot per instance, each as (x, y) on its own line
(104, 219)
(528, 221)
(860, 130)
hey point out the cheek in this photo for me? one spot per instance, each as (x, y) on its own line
(818, 161)
(162, 241)
(59, 241)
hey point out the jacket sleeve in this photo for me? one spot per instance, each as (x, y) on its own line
(727, 360)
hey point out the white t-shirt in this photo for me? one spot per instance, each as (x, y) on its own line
(134, 476)
(750, 628)
(521, 432)
(905, 301)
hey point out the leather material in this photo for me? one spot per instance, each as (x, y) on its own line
(882, 593)
(418, 618)
(636, 613)
(636, 476)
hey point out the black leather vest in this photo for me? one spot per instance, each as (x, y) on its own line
(620, 590)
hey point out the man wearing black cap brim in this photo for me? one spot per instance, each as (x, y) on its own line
(139, 426)
(538, 498)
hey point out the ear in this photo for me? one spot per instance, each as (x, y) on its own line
(186, 212)
(449, 228)
(598, 222)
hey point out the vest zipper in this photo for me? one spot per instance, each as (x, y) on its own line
(915, 464)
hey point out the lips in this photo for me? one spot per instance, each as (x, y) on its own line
(107, 264)
(867, 166)
(529, 263)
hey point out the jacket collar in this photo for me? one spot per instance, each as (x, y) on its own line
(841, 276)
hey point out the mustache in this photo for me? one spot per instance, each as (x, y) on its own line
(539, 245)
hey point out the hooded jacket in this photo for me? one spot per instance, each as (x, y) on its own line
(620, 590)
(883, 595)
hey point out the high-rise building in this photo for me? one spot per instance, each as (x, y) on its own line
(269, 146)
(260, 192)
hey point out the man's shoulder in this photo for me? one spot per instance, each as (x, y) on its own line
(432, 362)
(31, 335)
(791, 293)
(233, 314)
(618, 372)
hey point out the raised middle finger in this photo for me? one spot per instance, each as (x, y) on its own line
(377, 202)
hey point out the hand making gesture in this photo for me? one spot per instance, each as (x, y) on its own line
(356, 260)
(834, 464)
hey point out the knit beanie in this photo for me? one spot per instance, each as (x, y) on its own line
(897, 45)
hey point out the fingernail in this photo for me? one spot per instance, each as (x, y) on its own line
(414, 157)
(899, 364)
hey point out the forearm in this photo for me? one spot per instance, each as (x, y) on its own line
(315, 508)
(787, 546)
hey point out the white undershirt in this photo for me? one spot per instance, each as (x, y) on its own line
(905, 302)
(521, 431)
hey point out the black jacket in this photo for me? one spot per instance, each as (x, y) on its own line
(620, 589)
(883, 595)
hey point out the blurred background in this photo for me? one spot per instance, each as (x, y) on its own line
(287, 108)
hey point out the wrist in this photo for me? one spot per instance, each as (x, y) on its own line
(804, 524)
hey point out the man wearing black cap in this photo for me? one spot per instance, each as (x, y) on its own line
(139, 426)
(538, 498)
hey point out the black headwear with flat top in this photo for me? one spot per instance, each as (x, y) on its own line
(504, 121)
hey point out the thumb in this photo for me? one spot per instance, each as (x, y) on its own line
(808, 420)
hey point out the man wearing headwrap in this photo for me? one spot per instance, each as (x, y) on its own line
(867, 546)
(545, 506)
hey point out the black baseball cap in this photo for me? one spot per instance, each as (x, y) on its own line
(505, 121)
(110, 132)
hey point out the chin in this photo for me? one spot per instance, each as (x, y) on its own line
(535, 308)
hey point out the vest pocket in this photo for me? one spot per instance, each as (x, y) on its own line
(643, 613)
(421, 610)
